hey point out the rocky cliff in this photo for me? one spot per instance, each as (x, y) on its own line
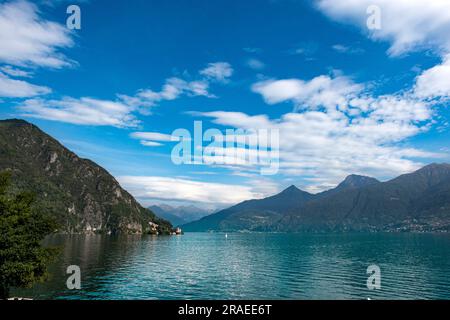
(82, 196)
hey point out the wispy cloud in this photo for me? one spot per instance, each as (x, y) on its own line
(218, 71)
(175, 87)
(119, 113)
(156, 136)
(407, 24)
(330, 146)
(339, 127)
(255, 64)
(306, 49)
(151, 143)
(28, 40)
(435, 82)
(15, 72)
(320, 91)
(150, 188)
(83, 111)
(12, 88)
(152, 139)
(347, 49)
(172, 89)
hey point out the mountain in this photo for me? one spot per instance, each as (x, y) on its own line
(82, 196)
(355, 181)
(350, 182)
(419, 201)
(166, 214)
(252, 214)
(179, 215)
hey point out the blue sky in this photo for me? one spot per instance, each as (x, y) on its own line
(345, 99)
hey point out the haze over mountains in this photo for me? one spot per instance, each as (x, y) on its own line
(419, 201)
(179, 215)
(82, 196)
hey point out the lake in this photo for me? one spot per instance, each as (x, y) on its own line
(249, 266)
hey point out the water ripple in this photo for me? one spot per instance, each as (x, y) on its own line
(251, 266)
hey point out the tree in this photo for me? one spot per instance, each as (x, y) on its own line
(23, 260)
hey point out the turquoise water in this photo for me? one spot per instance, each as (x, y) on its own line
(250, 266)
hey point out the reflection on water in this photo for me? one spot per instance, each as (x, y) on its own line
(250, 266)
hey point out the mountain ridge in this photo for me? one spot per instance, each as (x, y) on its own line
(359, 203)
(82, 196)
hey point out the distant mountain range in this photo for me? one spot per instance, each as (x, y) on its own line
(82, 196)
(179, 215)
(419, 201)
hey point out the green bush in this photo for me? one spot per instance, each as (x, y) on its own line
(23, 261)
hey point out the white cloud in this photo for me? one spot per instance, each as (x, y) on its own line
(345, 49)
(172, 89)
(329, 146)
(15, 72)
(255, 64)
(150, 143)
(238, 119)
(83, 111)
(11, 88)
(407, 24)
(176, 87)
(26, 39)
(398, 109)
(339, 128)
(152, 139)
(156, 136)
(275, 91)
(89, 111)
(307, 49)
(218, 71)
(321, 91)
(434, 82)
(147, 188)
